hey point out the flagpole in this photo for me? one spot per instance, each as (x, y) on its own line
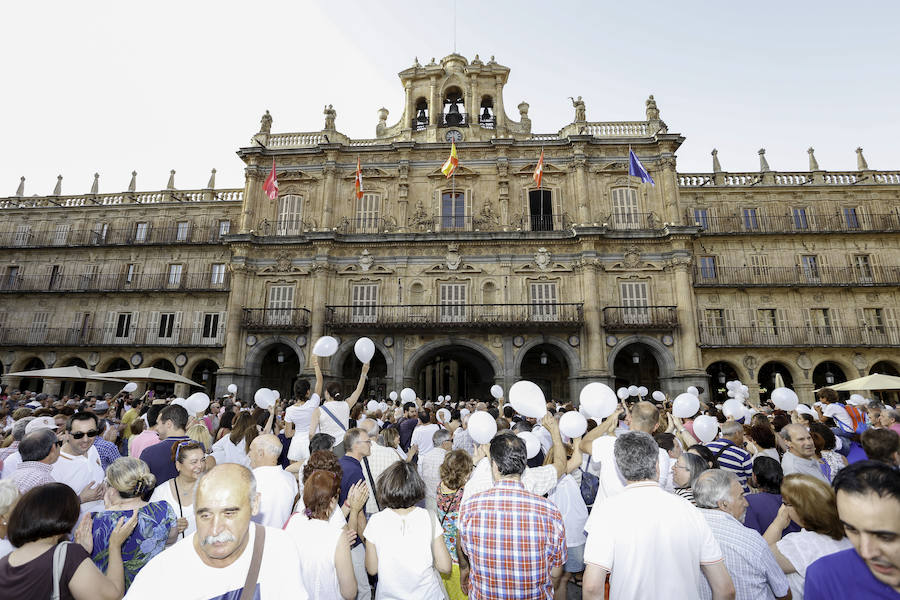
(541, 187)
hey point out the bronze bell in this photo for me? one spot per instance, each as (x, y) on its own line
(422, 117)
(485, 116)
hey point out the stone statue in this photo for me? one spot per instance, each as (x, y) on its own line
(382, 122)
(524, 119)
(487, 217)
(652, 110)
(420, 219)
(654, 221)
(265, 124)
(330, 115)
(578, 103)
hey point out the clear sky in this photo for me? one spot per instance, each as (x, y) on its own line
(112, 87)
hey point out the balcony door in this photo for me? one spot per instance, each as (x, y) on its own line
(368, 211)
(453, 302)
(625, 209)
(540, 206)
(634, 303)
(453, 210)
(281, 301)
(364, 301)
(290, 215)
(544, 303)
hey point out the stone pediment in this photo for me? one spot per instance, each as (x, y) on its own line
(641, 266)
(443, 269)
(532, 268)
(374, 270)
(295, 176)
(549, 169)
(281, 268)
(370, 173)
(461, 171)
(610, 166)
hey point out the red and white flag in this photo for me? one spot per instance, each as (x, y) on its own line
(359, 186)
(271, 184)
(539, 170)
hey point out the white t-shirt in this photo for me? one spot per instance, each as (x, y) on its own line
(164, 491)
(803, 548)
(341, 410)
(537, 480)
(224, 451)
(10, 464)
(567, 498)
(78, 472)
(421, 437)
(405, 562)
(611, 480)
(838, 413)
(300, 415)
(5, 547)
(178, 572)
(316, 542)
(277, 490)
(651, 541)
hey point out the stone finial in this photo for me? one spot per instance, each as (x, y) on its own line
(133, 185)
(171, 184)
(383, 114)
(763, 163)
(57, 191)
(861, 163)
(717, 168)
(95, 187)
(20, 191)
(265, 123)
(652, 109)
(523, 108)
(813, 163)
(211, 184)
(416, 62)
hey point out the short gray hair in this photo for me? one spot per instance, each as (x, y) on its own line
(731, 427)
(713, 486)
(371, 427)
(440, 436)
(9, 493)
(894, 414)
(18, 428)
(637, 456)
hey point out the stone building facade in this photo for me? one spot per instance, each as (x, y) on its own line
(464, 282)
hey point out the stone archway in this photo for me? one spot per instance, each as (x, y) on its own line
(450, 367)
(558, 352)
(251, 379)
(661, 354)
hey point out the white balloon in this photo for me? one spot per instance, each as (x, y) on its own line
(706, 428)
(527, 399)
(129, 387)
(633, 390)
(572, 424)
(855, 399)
(276, 394)
(365, 349)
(731, 393)
(179, 402)
(785, 398)
(232, 388)
(372, 405)
(733, 408)
(496, 391)
(685, 405)
(642, 391)
(532, 443)
(196, 403)
(325, 346)
(745, 391)
(383, 406)
(443, 415)
(803, 409)
(693, 391)
(482, 427)
(408, 395)
(392, 396)
(622, 393)
(729, 385)
(659, 396)
(598, 400)
(264, 398)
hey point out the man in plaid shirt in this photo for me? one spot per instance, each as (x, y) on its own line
(512, 543)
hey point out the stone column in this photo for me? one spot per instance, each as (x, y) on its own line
(581, 187)
(251, 190)
(687, 314)
(434, 105)
(593, 319)
(328, 194)
(320, 283)
(499, 113)
(236, 299)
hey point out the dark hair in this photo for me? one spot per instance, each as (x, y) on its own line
(666, 441)
(321, 441)
(136, 427)
(706, 454)
(827, 395)
(226, 420)
(319, 489)
(880, 444)
(333, 389)
(49, 510)
(424, 415)
(780, 421)
(82, 416)
(180, 447)
(400, 486)
(492, 410)
(760, 419)
(867, 477)
(695, 465)
(768, 473)
(763, 436)
(322, 460)
(37, 445)
(408, 406)
(243, 428)
(301, 388)
(177, 414)
(508, 453)
(357, 410)
(508, 411)
(826, 433)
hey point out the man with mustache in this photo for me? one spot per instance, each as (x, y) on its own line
(227, 552)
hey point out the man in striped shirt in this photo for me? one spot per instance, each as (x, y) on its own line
(729, 450)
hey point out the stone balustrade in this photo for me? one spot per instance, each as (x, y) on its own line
(618, 129)
(119, 199)
(694, 180)
(295, 140)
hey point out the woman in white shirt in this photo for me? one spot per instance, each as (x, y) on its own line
(298, 416)
(336, 423)
(405, 543)
(811, 504)
(190, 462)
(232, 448)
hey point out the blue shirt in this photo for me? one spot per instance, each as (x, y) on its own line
(733, 458)
(108, 452)
(159, 458)
(353, 472)
(761, 511)
(844, 575)
(406, 428)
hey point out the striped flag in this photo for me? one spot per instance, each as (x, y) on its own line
(271, 184)
(452, 163)
(539, 170)
(359, 186)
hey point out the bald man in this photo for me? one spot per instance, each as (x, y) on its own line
(801, 454)
(277, 489)
(213, 562)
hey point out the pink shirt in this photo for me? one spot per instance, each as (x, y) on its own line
(896, 428)
(141, 441)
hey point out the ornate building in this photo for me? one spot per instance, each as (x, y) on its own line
(462, 283)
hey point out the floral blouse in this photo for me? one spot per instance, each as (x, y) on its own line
(448, 513)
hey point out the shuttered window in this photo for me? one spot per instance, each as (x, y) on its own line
(701, 217)
(182, 231)
(38, 332)
(453, 210)
(23, 235)
(166, 326)
(123, 326)
(281, 301)
(800, 219)
(453, 300)
(634, 302)
(174, 275)
(863, 265)
(707, 267)
(544, 303)
(290, 215)
(625, 208)
(210, 326)
(140, 231)
(751, 219)
(61, 235)
(368, 211)
(810, 265)
(217, 275)
(364, 301)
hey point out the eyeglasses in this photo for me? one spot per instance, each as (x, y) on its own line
(59, 443)
(81, 434)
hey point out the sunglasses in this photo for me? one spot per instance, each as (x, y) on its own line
(59, 443)
(81, 434)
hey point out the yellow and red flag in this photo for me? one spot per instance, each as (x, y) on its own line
(359, 185)
(271, 184)
(539, 170)
(452, 163)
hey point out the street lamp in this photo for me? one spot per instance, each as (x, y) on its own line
(829, 377)
(543, 358)
(205, 375)
(280, 356)
(636, 358)
(722, 377)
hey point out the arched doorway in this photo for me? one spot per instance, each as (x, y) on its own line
(118, 364)
(279, 370)
(827, 373)
(73, 388)
(32, 384)
(635, 364)
(546, 366)
(205, 373)
(766, 378)
(376, 384)
(453, 370)
(719, 374)
(163, 389)
(885, 367)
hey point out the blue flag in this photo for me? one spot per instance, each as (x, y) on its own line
(636, 169)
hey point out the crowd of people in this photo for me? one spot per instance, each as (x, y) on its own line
(319, 496)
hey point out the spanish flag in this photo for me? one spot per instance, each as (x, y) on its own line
(359, 185)
(539, 170)
(452, 163)
(271, 184)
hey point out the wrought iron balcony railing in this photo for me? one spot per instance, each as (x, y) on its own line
(141, 282)
(112, 336)
(793, 336)
(275, 319)
(537, 316)
(708, 276)
(805, 222)
(623, 318)
(459, 119)
(14, 237)
(634, 221)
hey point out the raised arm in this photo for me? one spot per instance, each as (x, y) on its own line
(320, 381)
(359, 386)
(559, 456)
(604, 428)
(577, 457)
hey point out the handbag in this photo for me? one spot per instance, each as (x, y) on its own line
(590, 483)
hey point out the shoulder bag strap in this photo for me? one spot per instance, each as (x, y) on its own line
(249, 590)
(334, 418)
(724, 448)
(59, 562)
(365, 461)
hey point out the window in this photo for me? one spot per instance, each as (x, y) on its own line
(281, 301)
(23, 235)
(810, 265)
(123, 325)
(80, 330)
(851, 219)
(89, 276)
(364, 299)
(541, 206)
(166, 325)
(767, 318)
(634, 302)
(140, 231)
(54, 277)
(210, 325)
(874, 319)
(173, 278)
(625, 209)
(759, 264)
(224, 227)
(544, 303)
(130, 272)
(453, 210)
(38, 332)
(290, 215)
(821, 321)
(707, 267)
(800, 220)
(182, 230)
(715, 321)
(98, 235)
(453, 300)
(751, 220)
(701, 217)
(61, 235)
(863, 265)
(12, 278)
(217, 276)
(368, 209)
